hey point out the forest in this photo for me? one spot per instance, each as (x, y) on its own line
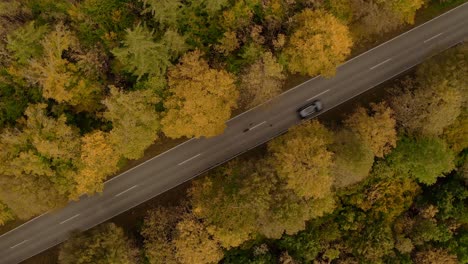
(388, 183)
(87, 86)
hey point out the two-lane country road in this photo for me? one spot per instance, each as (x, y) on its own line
(243, 132)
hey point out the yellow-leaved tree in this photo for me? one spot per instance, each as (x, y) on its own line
(194, 244)
(6, 214)
(59, 77)
(38, 162)
(135, 122)
(319, 43)
(376, 127)
(200, 100)
(302, 160)
(235, 184)
(98, 160)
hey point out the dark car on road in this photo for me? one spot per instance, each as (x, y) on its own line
(310, 109)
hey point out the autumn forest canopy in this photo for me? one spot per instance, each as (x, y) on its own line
(377, 187)
(87, 85)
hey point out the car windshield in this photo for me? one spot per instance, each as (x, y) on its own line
(309, 109)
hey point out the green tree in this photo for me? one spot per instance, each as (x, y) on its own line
(423, 159)
(319, 43)
(459, 246)
(450, 199)
(141, 55)
(102, 20)
(135, 122)
(165, 12)
(258, 254)
(24, 43)
(302, 160)
(370, 243)
(200, 100)
(211, 6)
(308, 244)
(376, 127)
(104, 244)
(15, 98)
(353, 160)
(427, 230)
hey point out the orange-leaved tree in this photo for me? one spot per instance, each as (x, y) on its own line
(318, 44)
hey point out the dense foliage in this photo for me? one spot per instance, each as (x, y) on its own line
(86, 85)
(368, 191)
(112, 77)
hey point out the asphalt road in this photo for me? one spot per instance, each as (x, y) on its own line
(194, 156)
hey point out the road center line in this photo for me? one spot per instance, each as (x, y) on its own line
(129, 170)
(383, 62)
(64, 221)
(315, 96)
(185, 161)
(433, 37)
(257, 125)
(134, 186)
(24, 223)
(24, 241)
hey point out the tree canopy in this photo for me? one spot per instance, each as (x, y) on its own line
(135, 122)
(423, 159)
(60, 78)
(301, 158)
(376, 127)
(104, 244)
(261, 81)
(194, 244)
(201, 99)
(353, 160)
(318, 44)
